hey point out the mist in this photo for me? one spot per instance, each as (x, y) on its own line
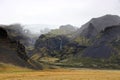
(55, 12)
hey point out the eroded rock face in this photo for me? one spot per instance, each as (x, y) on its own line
(102, 47)
(52, 43)
(11, 50)
(46, 44)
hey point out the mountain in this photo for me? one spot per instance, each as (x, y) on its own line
(12, 46)
(103, 45)
(96, 25)
(87, 37)
(54, 42)
(8, 50)
(96, 44)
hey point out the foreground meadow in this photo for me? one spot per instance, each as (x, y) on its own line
(62, 74)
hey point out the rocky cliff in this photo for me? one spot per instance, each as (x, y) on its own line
(103, 45)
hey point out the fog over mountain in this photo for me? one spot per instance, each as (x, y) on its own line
(39, 28)
(56, 12)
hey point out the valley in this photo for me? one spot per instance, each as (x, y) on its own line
(91, 52)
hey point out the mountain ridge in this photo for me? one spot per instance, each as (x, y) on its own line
(99, 24)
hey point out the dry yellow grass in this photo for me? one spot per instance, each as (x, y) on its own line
(61, 74)
(12, 68)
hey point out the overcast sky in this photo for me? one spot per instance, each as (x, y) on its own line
(55, 12)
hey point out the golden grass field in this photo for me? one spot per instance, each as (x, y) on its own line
(62, 74)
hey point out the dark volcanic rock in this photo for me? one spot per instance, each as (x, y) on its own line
(50, 44)
(12, 51)
(102, 47)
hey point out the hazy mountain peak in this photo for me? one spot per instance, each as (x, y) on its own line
(67, 27)
(105, 21)
(64, 30)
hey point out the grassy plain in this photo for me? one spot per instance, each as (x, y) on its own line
(62, 74)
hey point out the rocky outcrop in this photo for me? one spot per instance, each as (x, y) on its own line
(48, 44)
(103, 45)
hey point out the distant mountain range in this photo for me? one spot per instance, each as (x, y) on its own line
(95, 43)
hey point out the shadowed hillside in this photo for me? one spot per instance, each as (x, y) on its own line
(103, 45)
(12, 51)
(8, 50)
